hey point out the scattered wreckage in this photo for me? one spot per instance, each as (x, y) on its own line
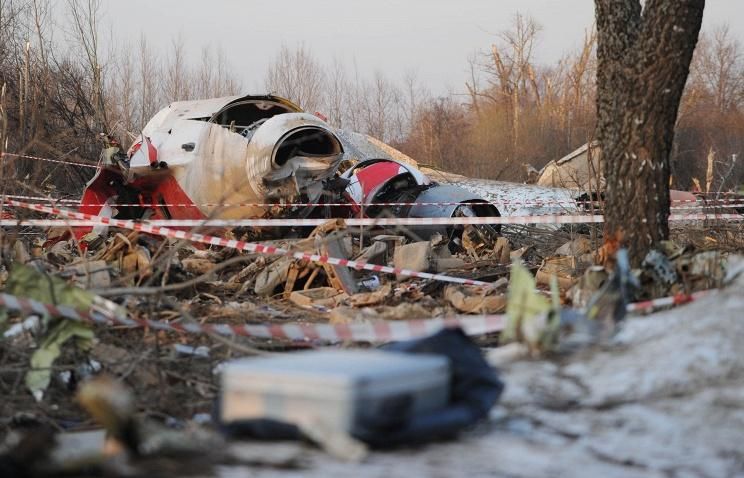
(583, 170)
(263, 157)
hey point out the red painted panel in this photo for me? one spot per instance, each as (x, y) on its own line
(375, 175)
(169, 192)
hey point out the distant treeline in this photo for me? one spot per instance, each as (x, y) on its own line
(61, 89)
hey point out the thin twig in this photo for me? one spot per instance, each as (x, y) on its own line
(173, 287)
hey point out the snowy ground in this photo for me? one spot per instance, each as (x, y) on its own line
(666, 401)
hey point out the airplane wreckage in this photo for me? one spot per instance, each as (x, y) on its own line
(261, 156)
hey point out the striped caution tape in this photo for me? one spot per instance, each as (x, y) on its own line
(572, 205)
(381, 222)
(679, 299)
(42, 199)
(377, 331)
(47, 200)
(427, 221)
(367, 221)
(695, 205)
(705, 217)
(49, 160)
(702, 202)
(382, 331)
(265, 249)
(242, 245)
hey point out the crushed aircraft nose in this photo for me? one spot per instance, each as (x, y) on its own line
(248, 151)
(261, 156)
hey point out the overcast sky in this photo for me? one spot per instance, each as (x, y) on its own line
(433, 38)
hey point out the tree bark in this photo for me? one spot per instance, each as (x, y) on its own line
(644, 57)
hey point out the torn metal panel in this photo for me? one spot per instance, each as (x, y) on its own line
(231, 150)
(447, 194)
(260, 156)
(361, 147)
(299, 146)
(513, 199)
(375, 180)
(214, 109)
(581, 169)
(251, 150)
(285, 160)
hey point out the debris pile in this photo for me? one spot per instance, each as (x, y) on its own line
(344, 299)
(557, 300)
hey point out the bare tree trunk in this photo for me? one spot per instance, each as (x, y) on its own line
(150, 74)
(125, 85)
(297, 75)
(709, 170)
(643, 57)
(176, 86)
(3, 122)
(84, 16)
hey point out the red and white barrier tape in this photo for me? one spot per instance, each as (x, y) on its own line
(426, 221)
(703, 207)
(716, 203)
(42, 199)
(244, 246)
(705, 217)
(48, 223)
(557, 206)
(445, 221)
(46, 200)
(382, 331)
(678, 299)
(702, 202)
(367, 221)
(379, 331)
(572, 205)
(48, 160)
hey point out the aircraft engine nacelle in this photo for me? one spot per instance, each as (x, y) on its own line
(290, 155)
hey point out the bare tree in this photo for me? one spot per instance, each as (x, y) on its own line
(10, 25)
(718, 66)
(472, 85)
(413, 97)
(355, 97)
(644, 53)
(581, 74)
(36, 74)
(84, 16)
(297, 75)
(337, 85)
(434, 138)
(149, 82)
(176, 85)
(125, 95)
(508, 106)
(511, 68)
(41, 12)
(204, 75)
(380, 106)
(3, 120)
(224, 82)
